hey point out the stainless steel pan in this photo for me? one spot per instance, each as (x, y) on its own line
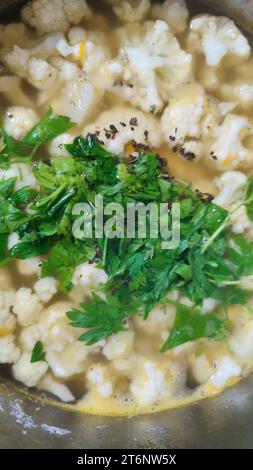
(224, 422)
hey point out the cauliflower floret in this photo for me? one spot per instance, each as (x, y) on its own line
(56, 148)
(240, 92)
(119, 126)
(241, 338)
(119, 345)
(181, 120)
(60, 390)
(174, 12)
(27, 306)
(38, 72)
(88, 275)
(18, 121)
(159, 319)
(7, 319)
(88, 49)
(201, 367)
(70, 361)
(226, 369)
(29, 373)
(100, 377)
(230, 185)
(55, 329)
(77, 99)
(29, 337)
(218, 36)
(132, 10)
(54, 15)
(228, 151)
(23, 174)
(30, 266)
(149, 66)
(46, 288)
(149, 383)
(9, 352)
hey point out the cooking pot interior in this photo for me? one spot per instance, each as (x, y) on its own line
(223, 422)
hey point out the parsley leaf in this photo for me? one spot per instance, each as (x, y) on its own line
(191, 324)
(38, 353)
(48, 128)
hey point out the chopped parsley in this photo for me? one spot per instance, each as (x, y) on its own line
(38, 353)
(208, 262)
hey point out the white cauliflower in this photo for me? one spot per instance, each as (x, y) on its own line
(88, 49)
(226, 369)
(9, 352)
(227, 151)
(77, 99)
(18, 121)
(132, 10)
(119, 345)
(218, 37)
(241, 339)
(23, 174)
(60, 390)
(239, 92)
(27, 306)
(56, 148)
(149, 383)
(38, 72)
(231, 185)
(159, 319)
(99, 377)
(46, 288)
(70, 361)
(7, 319)
(88, 275)
(174, 12)
(121, 125)
(55, 328)
(150, 64)
(201, 368)
(181, 120)
(48, 16)
(30, 266)
(28, 337)
(29, 373)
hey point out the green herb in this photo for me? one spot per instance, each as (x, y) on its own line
(208, 263)
(191, 324)
(38, 353)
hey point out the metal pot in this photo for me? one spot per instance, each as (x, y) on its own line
(223, 422)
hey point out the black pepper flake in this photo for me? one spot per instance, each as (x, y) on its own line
(172, 138)
(205, 197)
(214, 157)
(152, 109)
(133, 121)
(130, 85)
(123, 124)
(118, 83)
(174, 149)
(139, 147)
(146, 135)
(132, 128)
